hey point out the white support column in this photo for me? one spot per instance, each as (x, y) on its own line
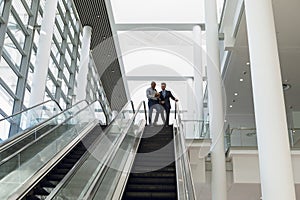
(43, 54)
(273, 144)
(84, 64)
(216, 107)
(198, 76)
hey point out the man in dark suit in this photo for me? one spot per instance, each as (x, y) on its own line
(165, 96)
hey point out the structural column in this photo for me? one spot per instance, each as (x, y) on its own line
(43, 54)
(84, 64)
(272, 133)
(198, 76)
(216, 107)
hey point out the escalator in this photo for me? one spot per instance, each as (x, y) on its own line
(45, 186)
(80, 159)
(153, 175)
(34, 162)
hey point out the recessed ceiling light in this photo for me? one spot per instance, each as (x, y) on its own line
(248, 63)
(230, 106)
(241, 79)
(235, 94)
(98, 16)
(286, 86)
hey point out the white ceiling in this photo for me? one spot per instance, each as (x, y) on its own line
(288, 31)
(157, 11)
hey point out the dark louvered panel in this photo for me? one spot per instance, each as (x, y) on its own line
(94, 14)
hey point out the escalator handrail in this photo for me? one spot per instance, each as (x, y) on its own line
(112, 153)
(187, 168)
(15, 139)
(45, 134)
(27, 109)
(68, 176)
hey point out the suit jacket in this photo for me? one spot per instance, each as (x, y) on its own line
(166, 99)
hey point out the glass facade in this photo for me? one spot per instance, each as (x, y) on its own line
(20, 23)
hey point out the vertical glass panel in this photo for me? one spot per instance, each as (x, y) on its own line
(72, 31)
(51, 86)
(8, 75)
(16, 30)
(60, 21)
(22, 13)
(62, 6)
(6, 101)
(64, 87)
(1, 7)
(53, 68)
(36, 37)
(29, 77)
(62, 103)
(68, 58)
(55, 52)
(57, 35)
(13, 52)
(26, 98)
(66, 73)
(47, 96)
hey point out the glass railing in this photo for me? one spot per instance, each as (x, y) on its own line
(103, 164)
(20, 167)
(198, 129)
(185, 186)
(118, 170)
(23, 121)
(247, 138)
(13, 144)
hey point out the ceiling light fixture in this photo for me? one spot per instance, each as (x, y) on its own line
(230, 106)
(247, 63)
(235, 94)
(285, 86)
(241, 80)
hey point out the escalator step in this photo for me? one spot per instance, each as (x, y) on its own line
(150, 188)
(40, 191)
(136, 180)
(150, 195)
(55, 177)
(65, 165)
(61, 171)
(70, 160)
(154, 174)
(47, 184)
(75, 156)
(32, 197)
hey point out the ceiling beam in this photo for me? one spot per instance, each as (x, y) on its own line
(157, 27)
(158, 78)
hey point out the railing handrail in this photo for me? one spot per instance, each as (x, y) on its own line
(187, 168)
(69, 175)
(32, 142)
(254, 129)
(27, 109)
(112, 153)
(12, 140)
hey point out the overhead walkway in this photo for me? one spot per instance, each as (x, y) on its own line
(76, 157)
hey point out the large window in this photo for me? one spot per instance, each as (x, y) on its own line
(20, 24)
